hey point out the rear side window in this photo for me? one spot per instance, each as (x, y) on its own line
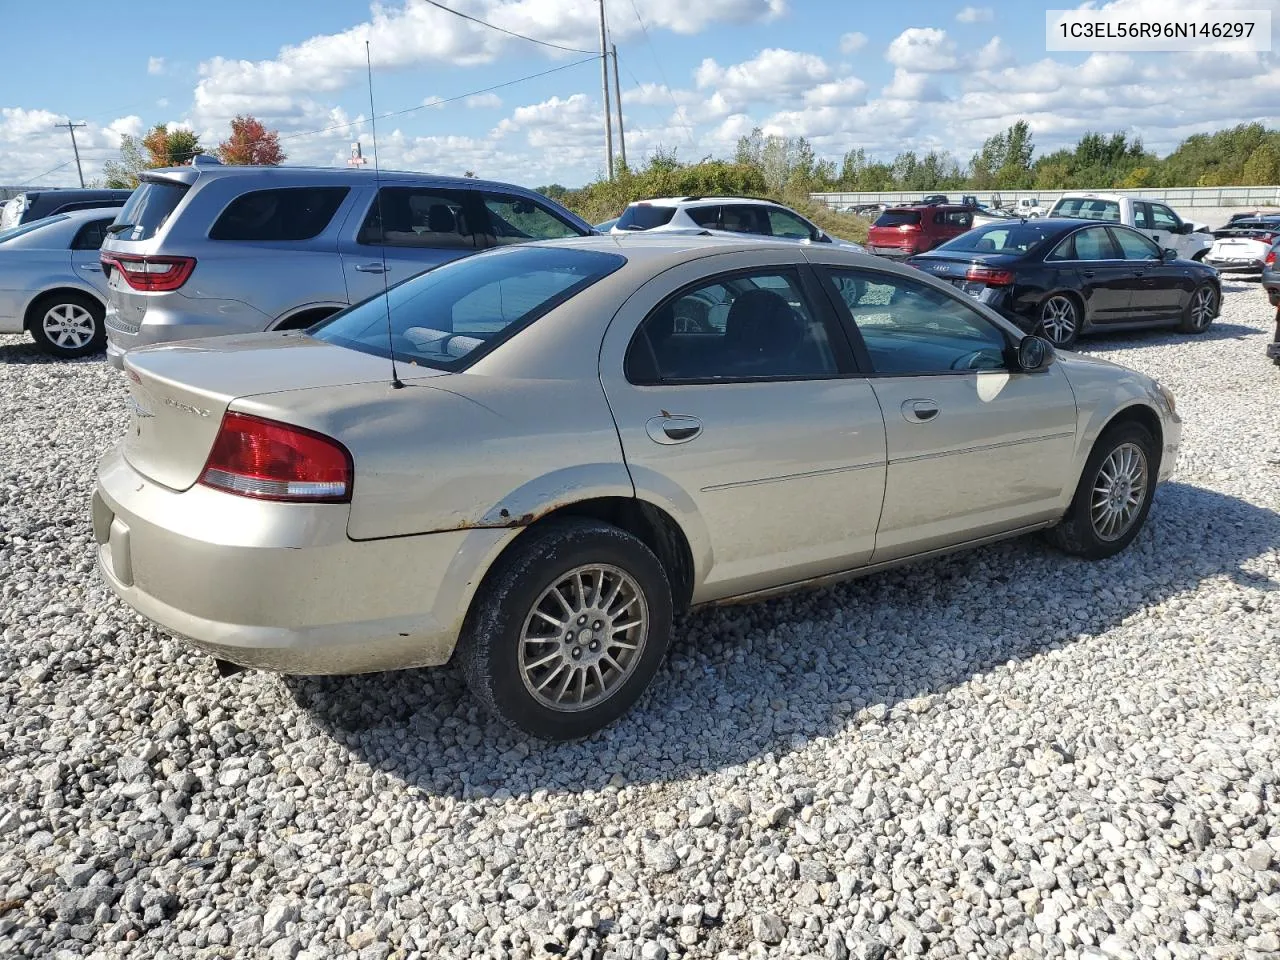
(708, 217)
(418, 217)
(91, 235)
(1108, 210)
(644, 216)
(896, 218)
(289, 213)
(149, 208)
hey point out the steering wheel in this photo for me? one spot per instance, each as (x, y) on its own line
(972, 361)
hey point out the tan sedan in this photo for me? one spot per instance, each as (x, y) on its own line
(531, 459)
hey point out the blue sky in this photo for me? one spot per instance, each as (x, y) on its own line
(921, 75)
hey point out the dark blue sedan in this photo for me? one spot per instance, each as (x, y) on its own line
(1063, 277)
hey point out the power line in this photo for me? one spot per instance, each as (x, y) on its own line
(23, 181)
(436, 103)
(688, 128)
(510, 33)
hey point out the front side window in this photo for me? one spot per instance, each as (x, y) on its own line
(1134, 246)
(91, 235)
(784, 223)
(417, 217)
(446, 316)
(1162, 218)
(910, 328)
(518, 220)
(289, 213)
(1142, 215)
(956, 219)
(746, 326)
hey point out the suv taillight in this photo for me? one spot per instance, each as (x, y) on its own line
(990, 276)
(266, 460)
(1271, 258)
(144, 272)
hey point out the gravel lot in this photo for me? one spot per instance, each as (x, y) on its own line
(1004, 754)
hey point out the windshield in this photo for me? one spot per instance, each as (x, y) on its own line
(1013, 238)
(896, 218)
(644, 216)
(28, 227)
(442, 316)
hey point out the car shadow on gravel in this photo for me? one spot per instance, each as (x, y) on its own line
(1154, 336)
(26, 352)
(747, 680)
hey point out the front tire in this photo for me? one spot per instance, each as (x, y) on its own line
(1114, 494)
(68, 325)
(568, 629)
(1060, 320)
(1200, 308)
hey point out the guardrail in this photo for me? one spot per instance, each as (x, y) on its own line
(1177, 197)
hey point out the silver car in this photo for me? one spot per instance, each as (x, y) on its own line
(213, 250)
(531, 459)
(51, 284)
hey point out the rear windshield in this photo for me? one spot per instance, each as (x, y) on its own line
(290, 213)
(1086, 209)
(148, 208)
(644, 216)
(467, 306)
(1002, 238)
(896, 218)
(31, 225)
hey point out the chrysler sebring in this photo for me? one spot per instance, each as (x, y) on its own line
(531, 459)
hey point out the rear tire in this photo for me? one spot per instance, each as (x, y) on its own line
(1114, 495)
(68, 325)
(1060, 320)
(568, 629)
(1200, 308)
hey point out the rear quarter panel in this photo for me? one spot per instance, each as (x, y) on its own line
(26, 274)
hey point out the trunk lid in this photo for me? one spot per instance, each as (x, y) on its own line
(179, 392)
(954, 267)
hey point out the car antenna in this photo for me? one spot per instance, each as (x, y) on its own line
(396, 382)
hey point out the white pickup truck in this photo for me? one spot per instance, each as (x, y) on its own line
(1191, 240)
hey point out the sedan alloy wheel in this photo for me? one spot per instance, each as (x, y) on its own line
(1119, 491)
(1060, 320)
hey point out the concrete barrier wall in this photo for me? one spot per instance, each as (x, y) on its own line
(1180, 198)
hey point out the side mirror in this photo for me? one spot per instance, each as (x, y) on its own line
(823, 238)
(1168, 253)
(1034, 354)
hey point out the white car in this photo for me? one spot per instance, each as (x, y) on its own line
(1157, 220)
(1028, 207)
(725, 217)
(51, 283)
(1242, 247)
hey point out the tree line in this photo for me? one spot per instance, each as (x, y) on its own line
(248, 143)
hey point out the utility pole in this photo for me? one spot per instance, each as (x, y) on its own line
(617, 89)
(604, 83)
(72, 127)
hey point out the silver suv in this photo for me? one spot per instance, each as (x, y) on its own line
(209, 250)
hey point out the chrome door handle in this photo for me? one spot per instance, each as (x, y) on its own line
(372, 268)
(920, 410)
(669, 430)
(91, 267)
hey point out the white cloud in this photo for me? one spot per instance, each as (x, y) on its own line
(993, 55)
(772, 74)
(975, 15)
(155, 65)
(923, 50)
(849, 90)
(484, 101)
(852, 42)
(162, 102)
(912, 86)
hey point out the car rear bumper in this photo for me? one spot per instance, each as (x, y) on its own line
(166, 322)
(279, 586)
(1234, 266)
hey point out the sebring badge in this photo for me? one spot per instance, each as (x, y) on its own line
(185, 407)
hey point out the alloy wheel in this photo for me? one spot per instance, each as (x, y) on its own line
(69, 326)
(583, 638)
(1202, 304)
(1059, 320)
(1118, 492)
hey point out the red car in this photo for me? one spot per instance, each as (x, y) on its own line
(905, 231)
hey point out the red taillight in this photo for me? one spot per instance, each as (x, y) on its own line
(990, 276)
(1271, 258)
(144, 272)
(266, 460)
